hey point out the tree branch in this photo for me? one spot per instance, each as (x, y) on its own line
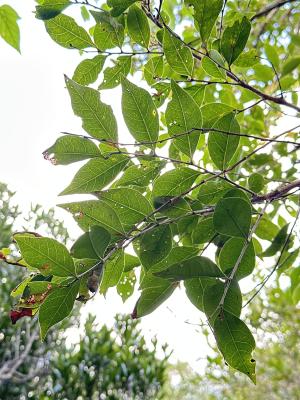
(271, 7)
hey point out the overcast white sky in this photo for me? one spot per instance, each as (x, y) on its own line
(35, 107)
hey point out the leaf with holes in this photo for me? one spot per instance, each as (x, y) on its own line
(112, 75)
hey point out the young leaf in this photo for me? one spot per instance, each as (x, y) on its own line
(57, 306)
(96, 174)
(51, 8)
(182, 116)
(235, 342)
(155, 245)
(222, 146)
(179, 56)
(68, 149)
(174, 182)
(139, 112)
(212, 69)
(230, 253)
(206, 13)
(65, 31)
(108, 33)
(97, 117)
(232, 217)
(140, 175)
(153, 69)
(45, 254)
(112, 271)
(126, 284)
(9, 29)
(192, 268)
(138, 26)
(88, 70)
(153, 295)
(113, 75)
(234, 39)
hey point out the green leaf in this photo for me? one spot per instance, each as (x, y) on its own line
(230, 253)
(57, 306)
(232, 217)
(138, 26)
(196, 290)
(51, 8)
(65, 31)
(109, 32)
(9, 29)
(235, 342)
(112, 271)
(178, 56)
(97, 117)
(68, 149)
(83, 248)
(212, 191)
(153, 69)
(140, 175)
(289, 65)
(206, 13)
(212, 69)
(182, 116)
(47, 255)
(256, 182)
(119, 6)
(213, 296)
(95, 212)
(272, 54)
(88, 70)
(126, 284)
(139, 112)
(100, 239)
(131, 262)
(174, 182)
(277, 242)
(222, 146)
(129, 204)
(192, 268)
(96, 174)
(176, 255)
(152, 296)
(155, 245)
(204, 231)
(113, 75)
(234, 39)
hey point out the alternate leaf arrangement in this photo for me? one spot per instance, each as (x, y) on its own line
(202, 174)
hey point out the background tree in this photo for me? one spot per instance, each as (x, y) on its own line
(202, 174)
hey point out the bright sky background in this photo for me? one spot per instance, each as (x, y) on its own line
(35, 107)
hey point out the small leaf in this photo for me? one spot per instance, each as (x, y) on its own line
(139, 112)
(289, 65)
(131, 262)
(212, 69)
(126, 284)
(182, 116)
(234, 39)
(51, 8)
(222, 146)
(153, 69)
(68, 149)
(174, 182)
(232, 217)
(45, 254)
(235, 342)
(113, 75)
(88, 70)
(155, 245)
(57, 306)
(179, 56)
(138, 26)
(256, 182)
(65, 31)
(230, 253)
(140, 175)
(112, 271)
(9, 29)
(108, 32)
(192, 268)
(96, 174)
(97, 117)
(212, 191)
(277, 242)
